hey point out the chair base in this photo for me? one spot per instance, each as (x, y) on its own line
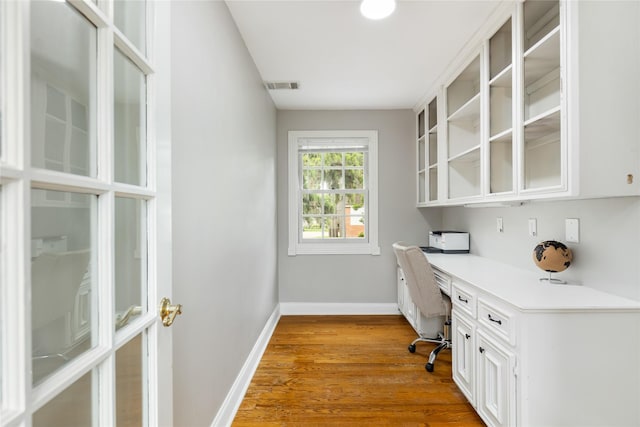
(444, 342)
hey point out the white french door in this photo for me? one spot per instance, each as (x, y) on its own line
(85, 213)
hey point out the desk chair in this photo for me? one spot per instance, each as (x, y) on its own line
(426, 295)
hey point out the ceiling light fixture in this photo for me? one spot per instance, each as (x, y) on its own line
(377, 9)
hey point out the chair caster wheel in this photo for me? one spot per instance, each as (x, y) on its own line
(429, 367)
(412, 348)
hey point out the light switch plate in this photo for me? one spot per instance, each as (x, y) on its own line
(572, 230)
(533, 227)
(499, 225)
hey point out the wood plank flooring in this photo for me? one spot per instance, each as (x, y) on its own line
(351, 370)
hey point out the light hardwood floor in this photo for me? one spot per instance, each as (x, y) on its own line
(351, 370)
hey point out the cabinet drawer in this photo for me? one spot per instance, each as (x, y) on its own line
(443, 280)
(464, 298)
(499, 320)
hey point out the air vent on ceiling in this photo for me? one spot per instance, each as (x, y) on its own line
(282, 85)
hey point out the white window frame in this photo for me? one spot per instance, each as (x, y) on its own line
(333, 247)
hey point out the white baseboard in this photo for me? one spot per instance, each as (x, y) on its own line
(312, 308)
(227, 411)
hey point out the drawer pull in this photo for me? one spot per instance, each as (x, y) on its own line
(467, 336)
(466, 301)
(498, 321)
(481, 349)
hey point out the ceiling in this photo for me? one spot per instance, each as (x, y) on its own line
(345, 61)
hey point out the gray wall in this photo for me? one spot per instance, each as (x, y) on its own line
(224, 204)
(356, 278)
(607, 257)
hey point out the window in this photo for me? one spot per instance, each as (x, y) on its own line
(333, 194)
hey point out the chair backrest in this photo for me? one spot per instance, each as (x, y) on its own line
(421, 281)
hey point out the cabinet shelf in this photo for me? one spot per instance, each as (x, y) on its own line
(500, 108)
(500, 52)
(470, 155)
(464, 175)
(540, 18)
(547, 49)
(464, 88)
(433, 183)
(421, 124)
(470, 111)
(545, 122)
(505, 135)
(546, 46)
(503, 78)
(542, 151)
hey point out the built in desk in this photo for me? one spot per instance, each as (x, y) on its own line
(530, 353)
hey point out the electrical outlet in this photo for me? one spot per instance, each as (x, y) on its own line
(533, 227)
(572, 230)
(499, 225)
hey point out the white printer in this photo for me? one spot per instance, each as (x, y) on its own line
(448, 242)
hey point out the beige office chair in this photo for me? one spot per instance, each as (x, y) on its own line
(426, 295)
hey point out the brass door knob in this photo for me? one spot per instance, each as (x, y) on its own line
(168, 312)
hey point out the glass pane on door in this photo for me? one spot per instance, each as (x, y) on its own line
(130, 18)
(61, 278)
(72, 407)
(130, 260)
(63, 89)
(130, 384)
(129, 121)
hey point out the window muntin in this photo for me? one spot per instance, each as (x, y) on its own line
(333, 192)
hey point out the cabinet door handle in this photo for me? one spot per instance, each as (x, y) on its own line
(466, 301)
(467, 336)
(481, 349)
(498, 321)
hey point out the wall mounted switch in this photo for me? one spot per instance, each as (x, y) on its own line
(533, 227)
(572, 230)
(499, 225)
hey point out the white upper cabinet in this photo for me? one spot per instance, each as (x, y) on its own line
(463, 133)
(501, 111)
(542, 145)
(427, 150)
(546, 106)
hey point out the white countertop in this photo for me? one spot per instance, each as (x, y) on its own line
(523, 289)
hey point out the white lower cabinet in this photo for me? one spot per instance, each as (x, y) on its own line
(496, 382)
(483, 369)
(532, 354)
(464, 357)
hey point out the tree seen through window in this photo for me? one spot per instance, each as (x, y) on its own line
(334, 194)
